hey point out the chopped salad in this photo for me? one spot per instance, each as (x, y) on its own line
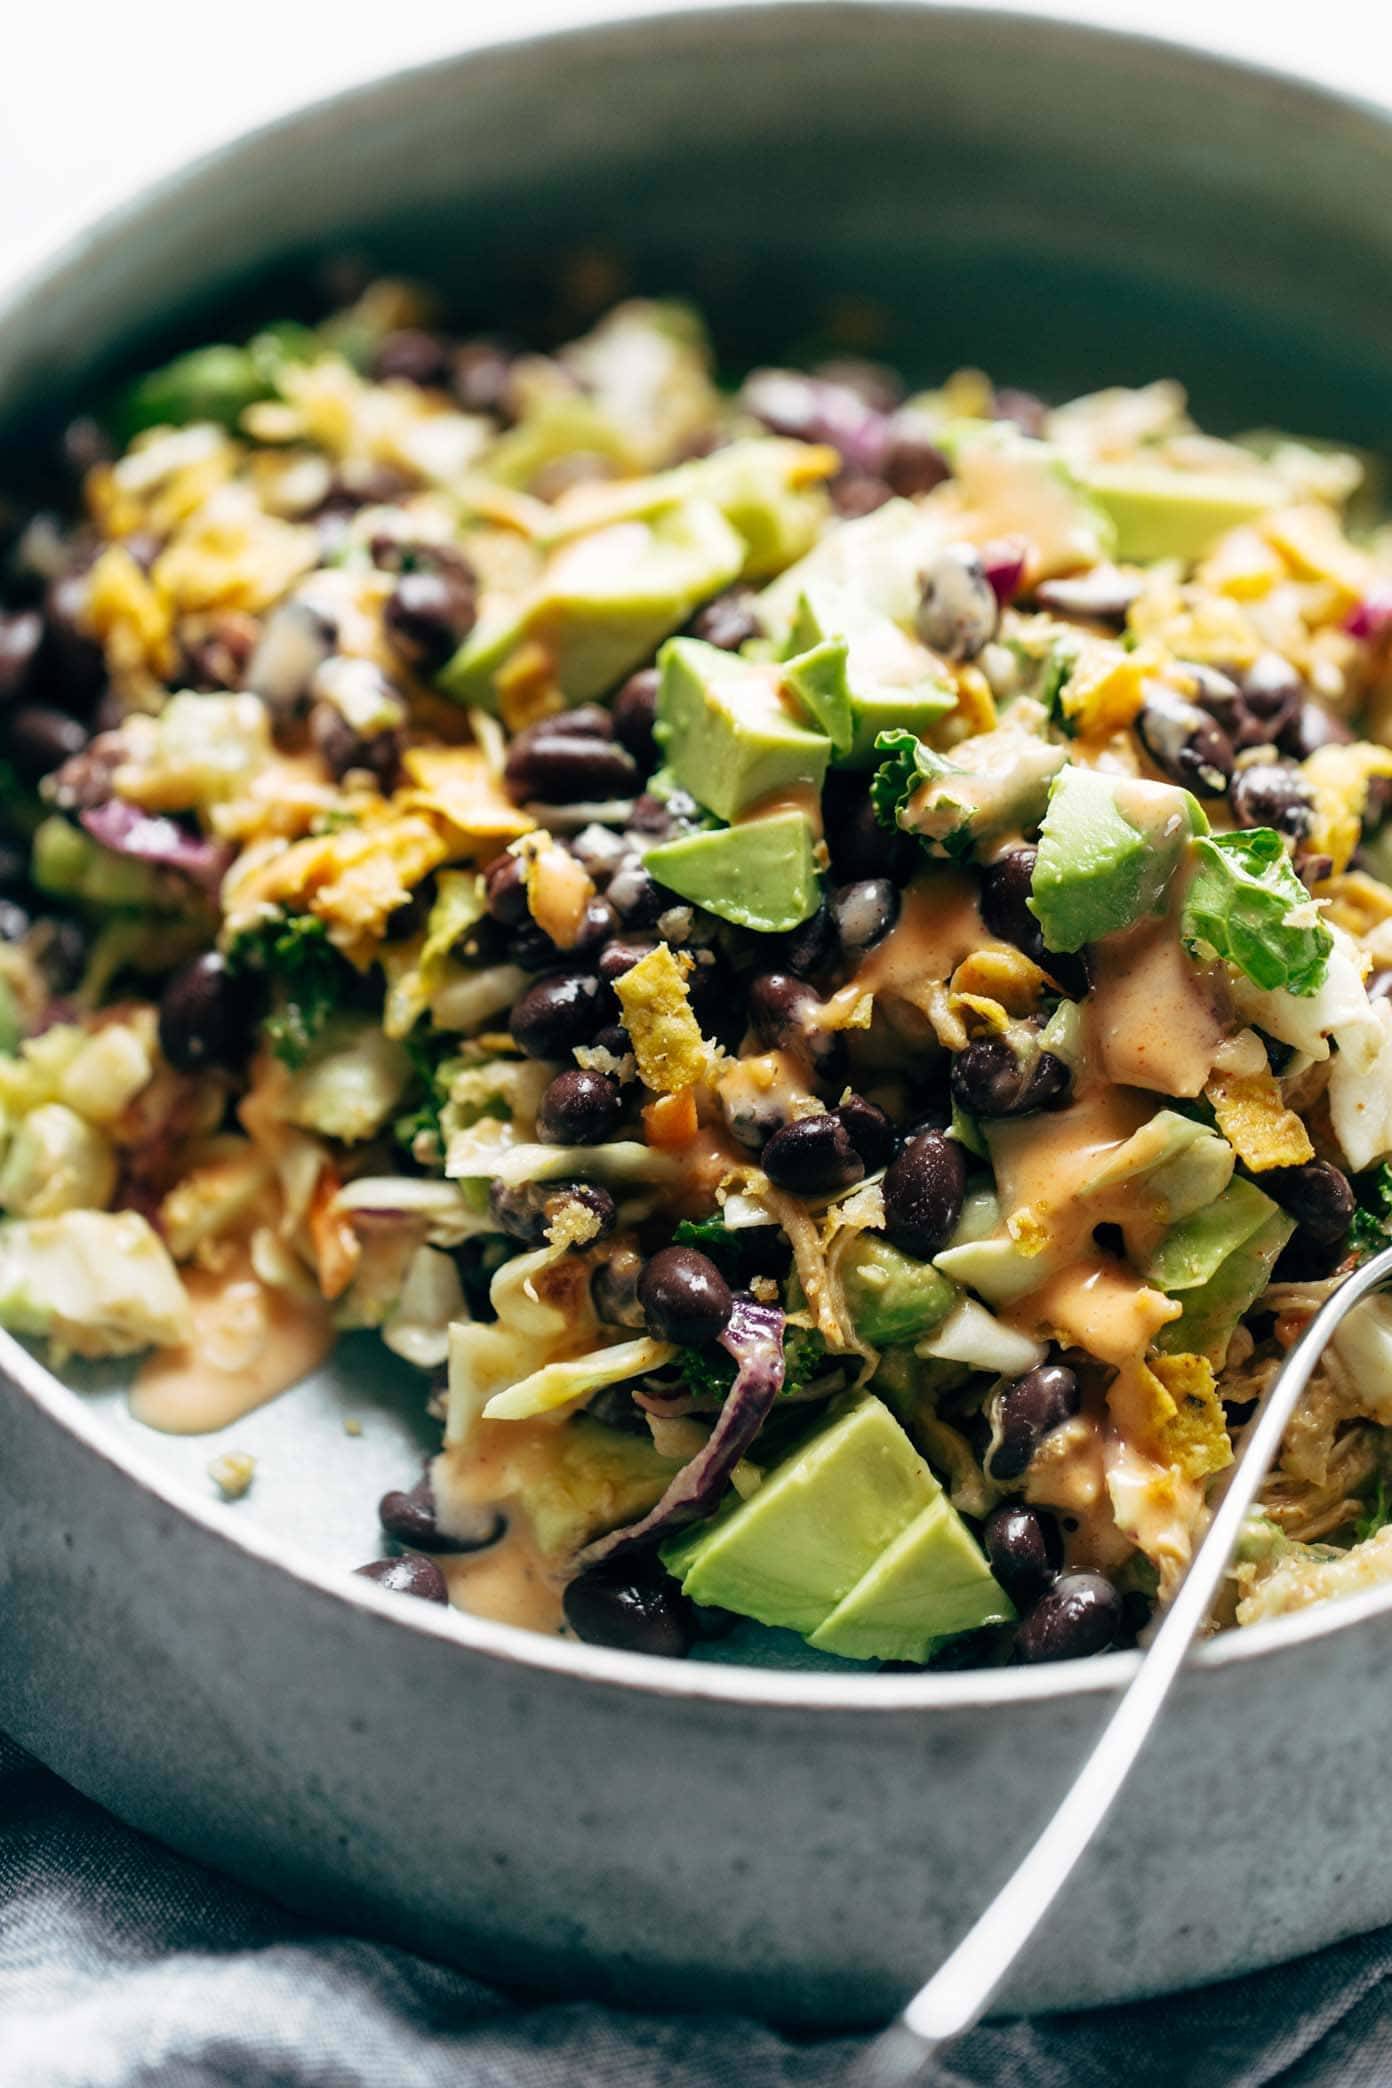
(817, 957)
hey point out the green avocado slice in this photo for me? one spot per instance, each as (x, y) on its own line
(727, 733)
(890, 1296)
(1158, 512)
(761, 874)
(1108, 848)
(931, 1583)
(796, 1547)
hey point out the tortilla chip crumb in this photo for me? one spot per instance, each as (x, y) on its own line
(1194, 1435)
(1256, 1122)
(666, 1037)
(1339, 776)
(352, 1426)
(232, 1473)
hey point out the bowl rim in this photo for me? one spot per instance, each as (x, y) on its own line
(62, 248)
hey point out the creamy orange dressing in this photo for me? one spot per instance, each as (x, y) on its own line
(1097, 1305)
(1068, 1472)
(789, 797)
(1153, 1017)
(508, 1582)
(1044, 1161)
(939, 924)
(249, 1343)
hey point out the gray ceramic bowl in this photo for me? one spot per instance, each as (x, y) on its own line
(1066, 207)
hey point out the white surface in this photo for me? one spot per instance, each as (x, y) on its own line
(93, 99)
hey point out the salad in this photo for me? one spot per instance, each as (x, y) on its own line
(816, 957)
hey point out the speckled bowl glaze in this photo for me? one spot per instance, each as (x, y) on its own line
(1069, 208)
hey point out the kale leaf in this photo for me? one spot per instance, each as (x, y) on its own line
(310, 981)
(1244, 902)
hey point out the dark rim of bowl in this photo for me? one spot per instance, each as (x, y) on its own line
(66, 249)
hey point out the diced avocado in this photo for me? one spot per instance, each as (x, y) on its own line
(1158, 512)
(605, 601)
(728, 735)
(1013, 485)
(761, 874)
(1108, 849)
(1212, 1311)
(890, 680)
(1185, 1164)
(890, 1296)
(874, 563)
(931, 1583)
(814, 1528)
(993, 784)
(1192, 1252)
(216, 383)
(816, 681)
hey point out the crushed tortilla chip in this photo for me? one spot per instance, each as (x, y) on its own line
(1029, 1231)
(1256, 1122)
(1311, 540)
(232, 555)
(1339, 775)
(976, 706)
(1106, 689)
(128, 615)
(1356, 902)
(352, 880)
(1192, 623)
(559, 888)
(1006, 977)
(666, 1037)
(978, 1014)
(1194, 1434)
(337, 1248)
(671, 1120)
(1242, 564)
(458, 785)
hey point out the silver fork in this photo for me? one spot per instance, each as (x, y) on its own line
(960, 1991)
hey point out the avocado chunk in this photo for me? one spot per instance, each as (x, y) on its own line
(890, 1296)
(1158, 512)
(802, 1541)
(761, 874)
(931, 1583)
(728, 735)
(602, 605)
(1108, 849)
(1212, 1309)
(67, 863)
(885, 678)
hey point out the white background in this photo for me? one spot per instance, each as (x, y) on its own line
(94, 96)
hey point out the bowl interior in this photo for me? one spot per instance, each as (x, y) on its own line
(934, 186)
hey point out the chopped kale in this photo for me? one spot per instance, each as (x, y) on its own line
(309, 980)
(709, 1372)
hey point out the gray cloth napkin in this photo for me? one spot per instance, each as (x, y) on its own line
(123, 1966)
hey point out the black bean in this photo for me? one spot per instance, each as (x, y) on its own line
(1006, 884)
(1312, 727)
(1081, 1614)
(860, 847)
(781, 1008)
(914, 463)
(864, 912)
(656, 818)
(684, 1296)
(729, 620)
(869, 1129)
(20, 636)
(561, 1010)
(812, 1156)
(1103, 595)
(428, 615)
(412, 354)
(41, 738)
(622, 954)
(1024, 1549)
(614, 1039)
(561, 766)
(1041, 1400)
(526, 1213)
(635, 895)
(1271, 795)
(578, 1108)
(633, 1606)
(411, 1575)
(923, 1190)
(1185, 742)
(998, 1077)
(1214, 691)
(344, 750)
(1270, 694)
(812, 946)
(635, 713)
(208, 1014)
(957, 608)
(413, 1519)
(505, 890)
(1318, 1196)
